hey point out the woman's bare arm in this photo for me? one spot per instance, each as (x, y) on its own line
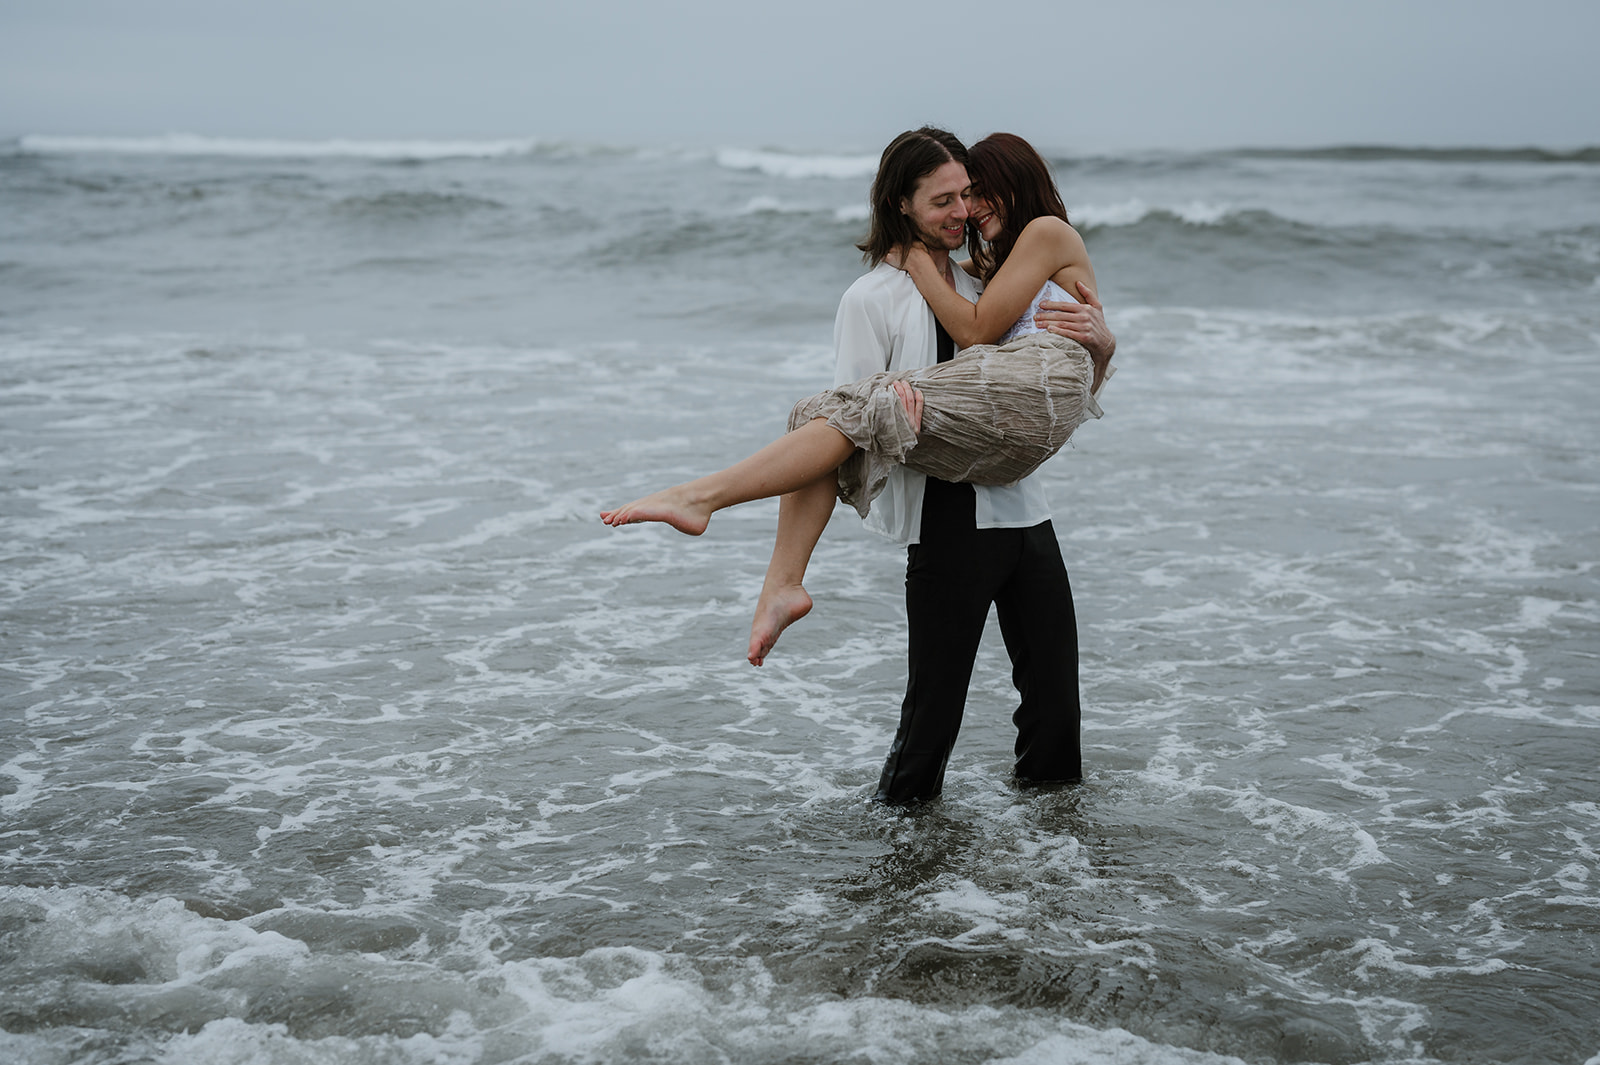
(1047, 247)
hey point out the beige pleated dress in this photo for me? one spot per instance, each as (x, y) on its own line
(991, 415)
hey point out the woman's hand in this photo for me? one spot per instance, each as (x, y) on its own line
(911, 258)
(916, 259)
(911, 399)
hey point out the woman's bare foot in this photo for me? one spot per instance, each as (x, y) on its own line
(778, 608)
(671, 505)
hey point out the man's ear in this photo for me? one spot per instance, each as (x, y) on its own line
(905, 206)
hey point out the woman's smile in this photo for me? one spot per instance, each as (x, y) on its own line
(985, 218)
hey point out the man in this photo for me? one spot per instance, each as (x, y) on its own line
(968, 545)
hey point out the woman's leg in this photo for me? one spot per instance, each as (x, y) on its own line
(793, 461)
(802, 515)
(800, 467)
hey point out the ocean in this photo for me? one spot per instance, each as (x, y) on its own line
(335, 727)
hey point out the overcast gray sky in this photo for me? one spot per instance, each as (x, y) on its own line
(810, 74)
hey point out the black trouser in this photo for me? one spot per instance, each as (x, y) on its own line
(951, 578)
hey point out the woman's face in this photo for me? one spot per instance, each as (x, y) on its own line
(985, 216)
(937, 209)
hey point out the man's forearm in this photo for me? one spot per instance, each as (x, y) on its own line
(1102, 345)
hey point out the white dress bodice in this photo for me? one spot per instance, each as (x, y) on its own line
(1025, 324)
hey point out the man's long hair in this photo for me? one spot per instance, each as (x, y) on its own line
(909, 158)
(1006, 171)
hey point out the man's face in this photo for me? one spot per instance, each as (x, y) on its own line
(938, 209)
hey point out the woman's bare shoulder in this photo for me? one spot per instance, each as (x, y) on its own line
(1050, 231)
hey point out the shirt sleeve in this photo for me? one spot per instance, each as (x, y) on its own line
(862, 343)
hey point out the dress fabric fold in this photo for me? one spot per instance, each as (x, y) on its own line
(992, 415)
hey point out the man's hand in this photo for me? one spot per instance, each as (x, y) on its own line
(911, 399)
(1084, 322)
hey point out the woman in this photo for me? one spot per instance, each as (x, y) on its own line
(991, 416)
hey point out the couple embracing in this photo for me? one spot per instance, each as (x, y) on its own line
(937, 451)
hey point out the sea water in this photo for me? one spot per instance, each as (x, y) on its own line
(334, 727)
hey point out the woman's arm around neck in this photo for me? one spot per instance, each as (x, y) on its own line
(1047, 247)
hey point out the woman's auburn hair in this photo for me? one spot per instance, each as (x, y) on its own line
(1006, 171)
(908, 159)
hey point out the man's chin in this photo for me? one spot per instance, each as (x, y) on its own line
(941, 242)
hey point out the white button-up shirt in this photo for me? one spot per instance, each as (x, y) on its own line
(885, 324)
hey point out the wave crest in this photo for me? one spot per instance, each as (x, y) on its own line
(245, 147)
(1133, 211)
(1360, 153)
(780, 164)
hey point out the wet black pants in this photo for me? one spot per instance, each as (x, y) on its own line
(951, 578)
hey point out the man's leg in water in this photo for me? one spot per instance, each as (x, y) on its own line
(802, 515)
(950, 581)
(793, 461)
(1041, 634)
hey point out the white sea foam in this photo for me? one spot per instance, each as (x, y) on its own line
(604, 1004)
(780, 164)
(1374, 954)
(762, 205)
(191, 144)
(965, 899)
(774, 205)
(29, 781)
(1133, 211)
